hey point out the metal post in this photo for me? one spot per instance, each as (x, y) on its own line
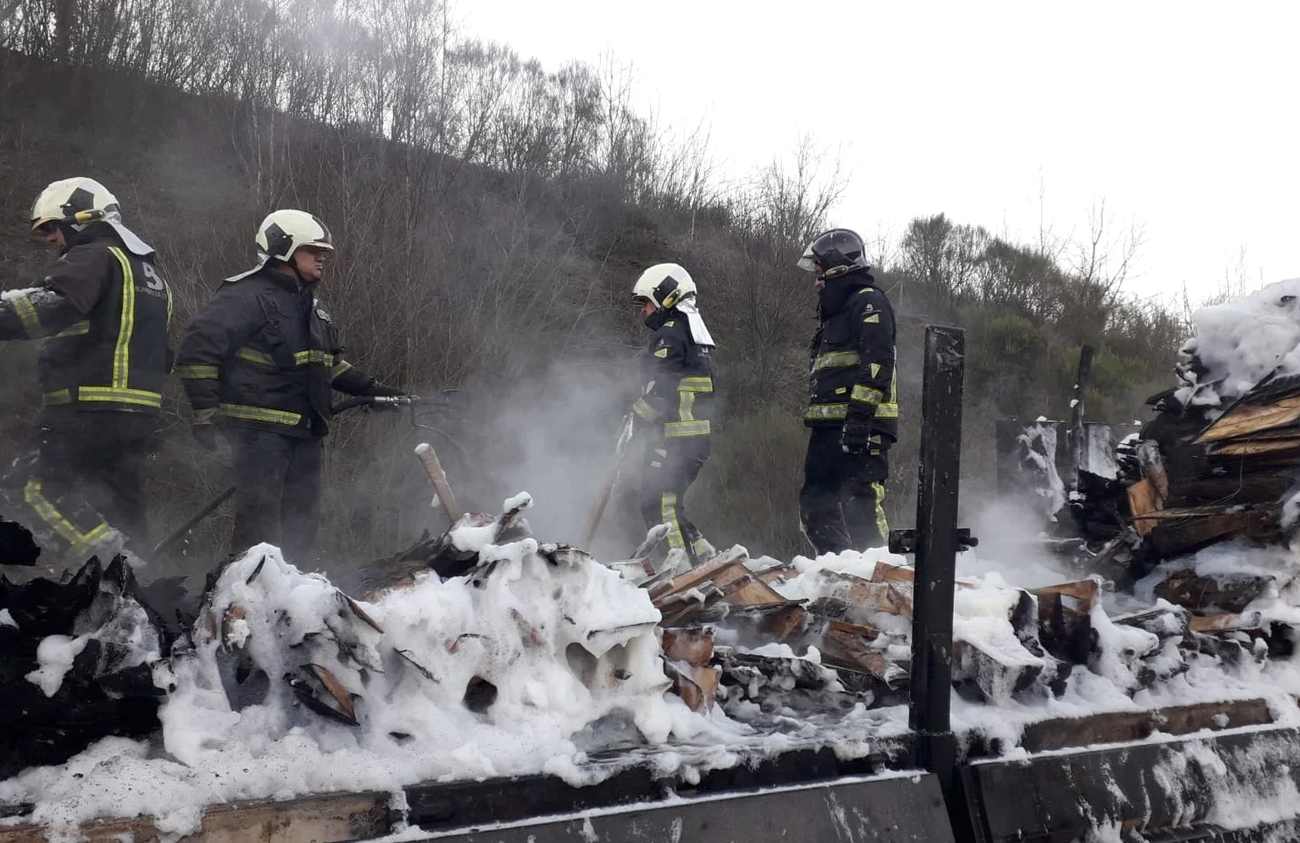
(1078, 435)
(936, 545)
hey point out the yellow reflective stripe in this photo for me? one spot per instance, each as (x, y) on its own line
(875, 369)
(122, 353)
(34, 495)
(686, 406)
(300, 358)
(198, 372)
(27, 315)
(835, 360)
(118, 395)
(168, 290)
(77, 329)
(643, 409)
(315, 355)
(867, 395)
(252, 355)
(882, 522)
(889, 409)
(57, 397)
(242, 411)
(668, 515)
(340, 367)
(826, 412)
(695, 384)
(686, 428)
(687, 388)
(661, 353)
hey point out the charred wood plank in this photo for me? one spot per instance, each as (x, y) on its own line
(1245, 419)
(325, 818)
(1124, 726)
(1228, 593)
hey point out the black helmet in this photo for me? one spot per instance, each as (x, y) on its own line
(833, 253)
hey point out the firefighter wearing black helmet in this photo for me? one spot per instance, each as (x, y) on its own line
(101, 312)
(853, 399)
(260, 361)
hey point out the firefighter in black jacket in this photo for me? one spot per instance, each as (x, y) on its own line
(102, 312)
(853, 399)
(676, 403)
(260, 360)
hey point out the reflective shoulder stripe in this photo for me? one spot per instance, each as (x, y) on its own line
(116, 395)
(77, 329)
(122, 353)
(835, 359)
(252, 355)
(826, 412)
(27, 315)
(679, 429)
(198, 372)
(867, 395)
(695, 383)
(246, 413)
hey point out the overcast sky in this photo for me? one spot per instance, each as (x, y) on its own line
(1181, 117)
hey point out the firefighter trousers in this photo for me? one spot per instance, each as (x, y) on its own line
(84, 479)
(671, 466)
(277, 491)
(841, 502)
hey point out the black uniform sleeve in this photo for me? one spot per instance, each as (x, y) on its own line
(874, 384)
(232, 317)
(666, 356)
(351, 380)
(33, 314)
(81, 274)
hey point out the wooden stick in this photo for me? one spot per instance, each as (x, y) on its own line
(438, 478)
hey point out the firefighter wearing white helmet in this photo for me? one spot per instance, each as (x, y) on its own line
(675, 408)
(260, 362)
(853, 399)
(101, 313)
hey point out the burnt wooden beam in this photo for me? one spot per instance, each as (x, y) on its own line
(936, 545)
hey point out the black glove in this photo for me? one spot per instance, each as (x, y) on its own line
(379, 390)
(856, 435)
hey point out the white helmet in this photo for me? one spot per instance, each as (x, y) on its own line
(282, 233)
(78, 202)
(665, 284)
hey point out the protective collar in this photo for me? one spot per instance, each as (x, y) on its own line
(133, 244)
(699, 331)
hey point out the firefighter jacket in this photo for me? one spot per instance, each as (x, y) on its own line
(102, 312)
(851, 375)
(265, 354)
(677, 396)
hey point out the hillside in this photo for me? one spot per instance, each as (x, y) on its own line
(508, 281)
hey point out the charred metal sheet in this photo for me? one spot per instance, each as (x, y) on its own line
(1159, 790)
(467, 804)
(899, 807)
